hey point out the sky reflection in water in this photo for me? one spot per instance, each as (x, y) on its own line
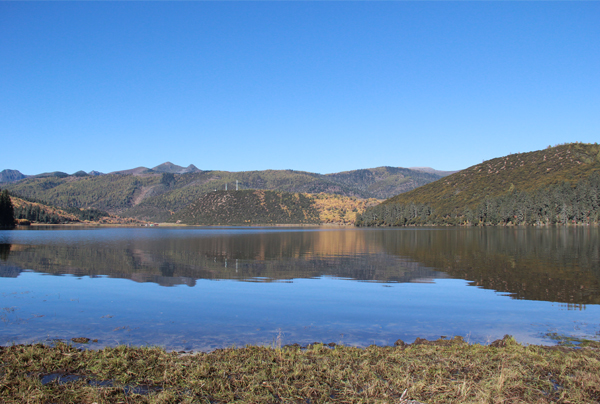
(350, 286)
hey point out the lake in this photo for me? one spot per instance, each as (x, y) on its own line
(198, 288)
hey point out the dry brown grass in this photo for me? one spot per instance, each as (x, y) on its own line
(444, 371)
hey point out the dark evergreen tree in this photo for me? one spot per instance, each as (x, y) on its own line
(7, 214)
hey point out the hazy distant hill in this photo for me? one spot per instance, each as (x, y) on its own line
(11, 176)
(133, 171)
(545, 185)
(433, 171)
(58, 174)
(382, 182)
(147, 194)
(15, 175)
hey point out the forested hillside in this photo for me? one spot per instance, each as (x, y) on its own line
(31, 211)
(154, 196)
(557, 185)
(271, 207)
(36, 212)
(113, 193)
(248, 208)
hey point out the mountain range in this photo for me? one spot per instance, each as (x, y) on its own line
(8, 175)
(557, 185)
(157, 194)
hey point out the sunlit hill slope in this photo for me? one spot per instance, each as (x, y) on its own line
(557, 184)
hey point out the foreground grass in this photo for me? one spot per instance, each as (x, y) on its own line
(443, 371)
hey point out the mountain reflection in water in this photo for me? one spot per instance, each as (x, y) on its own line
(251, 285)
(549, 264)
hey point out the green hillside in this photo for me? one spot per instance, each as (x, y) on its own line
(558, 184)
(112, 193)
(157, 196)
(249, 207)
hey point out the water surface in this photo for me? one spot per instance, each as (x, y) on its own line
(206, 288)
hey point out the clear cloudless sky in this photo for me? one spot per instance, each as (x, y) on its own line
(313, 86)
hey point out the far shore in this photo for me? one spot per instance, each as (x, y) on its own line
(311, 225)
(82, 224)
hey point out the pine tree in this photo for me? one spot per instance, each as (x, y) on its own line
(7, 214)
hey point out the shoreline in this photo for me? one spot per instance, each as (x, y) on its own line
(554, 341)
(33, 225)
(441, 371)
(308, 225)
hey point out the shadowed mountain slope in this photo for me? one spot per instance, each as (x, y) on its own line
(11, 176)
(380, 182)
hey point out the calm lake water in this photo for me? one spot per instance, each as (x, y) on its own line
(199, 288)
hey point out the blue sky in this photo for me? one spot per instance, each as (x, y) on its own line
(313, 86)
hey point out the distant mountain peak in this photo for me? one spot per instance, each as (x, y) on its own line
(169, 167)
(11, 176)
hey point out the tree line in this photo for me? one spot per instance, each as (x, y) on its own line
(40, 212)
(34, 213)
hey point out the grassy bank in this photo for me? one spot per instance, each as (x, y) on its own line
(444, 371)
